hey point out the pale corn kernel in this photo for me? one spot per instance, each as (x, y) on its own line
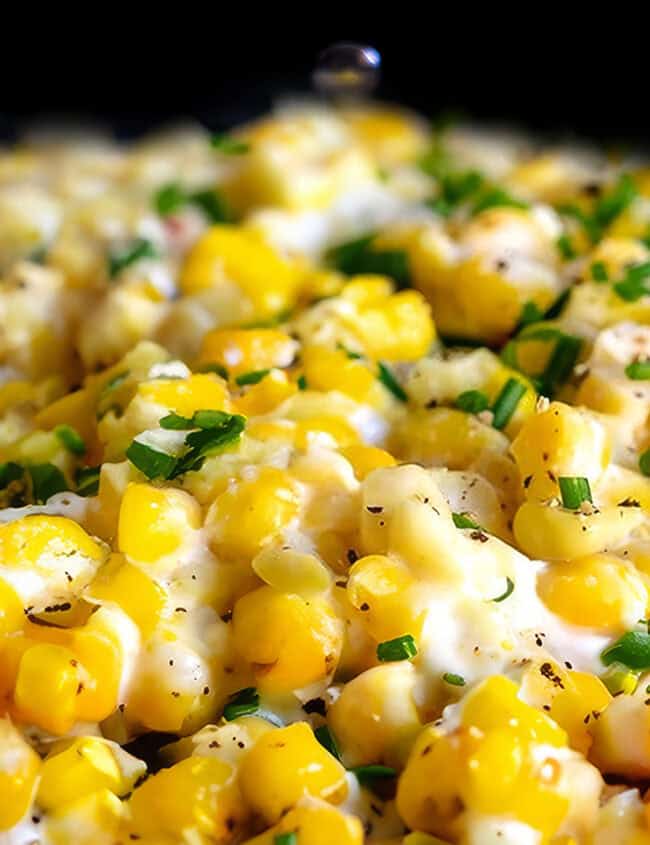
(285, 765)
(290, 571)
(19, 768)
(319, 823)
(95, 819)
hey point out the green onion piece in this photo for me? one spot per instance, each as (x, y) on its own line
(290, 838)
(115, 382)
(47, 480)
(355, 356)
(119, 261)
(510, 586)
(211, 419)
(496, 197)
(620, 679)
(530, 313)
(401, 648)
(254, 377)
(389, 381)
(599, 272)
(462, 520)
(644, 462)
(632, 650)
(219, 369)
(634, 284)
(221, 430)
(244, 702)
(326, 739)
(506, 402)
(369, 776)
(150, 461)
(561, 363)
(301, 381)
(228, 145)
(614, 203)
(169, 199)
(592, 228)
(454, 680)
(358, 257)
(574, 491)
(565, 247)
(10, 471)
(213, 205)
(557, 307)
(87, 480)
(638, 370)
(472, 401)
(71, 439)
(175, 422)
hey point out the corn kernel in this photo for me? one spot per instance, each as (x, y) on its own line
(292, 572)
(331, 369)
(247, 350)
(19, 768)
(46, 687)
(12, 614)
(319, 824)
(366, 458)
(185, 396)
(94, 819)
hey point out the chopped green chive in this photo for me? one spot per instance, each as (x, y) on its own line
(87, 480)
(638, 370)
(47, 480)
(151, 462)
(614, 203)
(565, 247)
(175, 422)
(286, 838)
(619, 679)
(213, 205)
(119, 261)
(326, 739)
(590, 225)
(209, 419)
(301, 381)
(218, 369)
(462, 520)
(10, 471)
(71, 439)
(495, 198)
(632, 650)
(506, 402)
(561, 363)
(557, 307)
(244, 702)
(510, 586)
(530, 313)
(454, 680)
(472, 401)
(372, 776)
(401, 648)
(599, 272)
(254, 377)
(634, 284)
(386, 377)
(644, 462)
(359, 257)
(574, 491)
(228, 145)
(169, 199)
(115, 382)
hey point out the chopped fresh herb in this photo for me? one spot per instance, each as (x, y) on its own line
(510, 586)
(229, 145)
(634, 284)
(369, 776)
(355, 356)
(589, 224)
(290, 838)
(401, 648)
(301, 381)
(644, 462)
(462, 520)
(638, 370)
(632, 650)
(47, 480)
(565, 247)
(495, 198)
(506, 402)
(530, 313)
(561, 363)
(71, 439)
(254, 377)
(614, 203)
(151, 462)
(219, 369)
(175, 422)
(574, 491)
(326, 739)
(454, 680)
(557, 307)
(435, 162)
(242, 703)
(359, 257)
(115, 382)
(454, 188)
(213, 205)
(87, 480)
(619, 679)
(169, 199)
(140, 248)
(10, 471)
(386, 377)
(210, 419)
(599, 272)
(472, 401)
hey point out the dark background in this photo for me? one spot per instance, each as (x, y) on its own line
(532, 66)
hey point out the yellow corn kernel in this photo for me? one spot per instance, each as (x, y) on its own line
(583, 695)
(598, 591)
(375, 717)
(247, 350)
(332, 369)
(42, 542)
(198, 392)
(266, 395)
(122, 583)
(47, 687)
(290, 641)
(398, 329)
(503, 752)
(95, 819)
(233, 254)
(104, 512)
(285, 765)
(493, 705)
(199, 793)
(154, 522)
(390, 135)
(339, 431)
(250, 513)
(12, 614)
(366, 458)
(98, 648)
(381, 588)
(82, 766)
(76, 409)
(292, 572)
(367, 290)
(319, 824)
(553, 533)
(19, 767)
(560, 441)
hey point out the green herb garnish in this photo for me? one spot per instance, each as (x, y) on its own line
(254, 377)
(472, 401)
(244, 702)
(632, 650)
(565, 247)
(87, 480)
(301, 381)
(326, 739)
(599, 272)
(229, 145)
(634, 285)
(372, 776)
(359, 257)
(139, 249)
(453, 679)
(462, 520)
(506, 402)
(644, 462)
(47, 480)
(151, 462)
(71, 439)
(290, 838)
(169, 199)
(401, 648)
(510, 586)
(496, 198)
(386, 377)
(574, 491)
(638, 370)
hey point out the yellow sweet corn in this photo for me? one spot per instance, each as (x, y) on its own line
(242, 351)
(332, 369)
(317, 823)
(285, 765)
(366, 458)
(185, 396)
(19, 768)
(289, 571)
(95, 819)
(12, 614)
(47, 687)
